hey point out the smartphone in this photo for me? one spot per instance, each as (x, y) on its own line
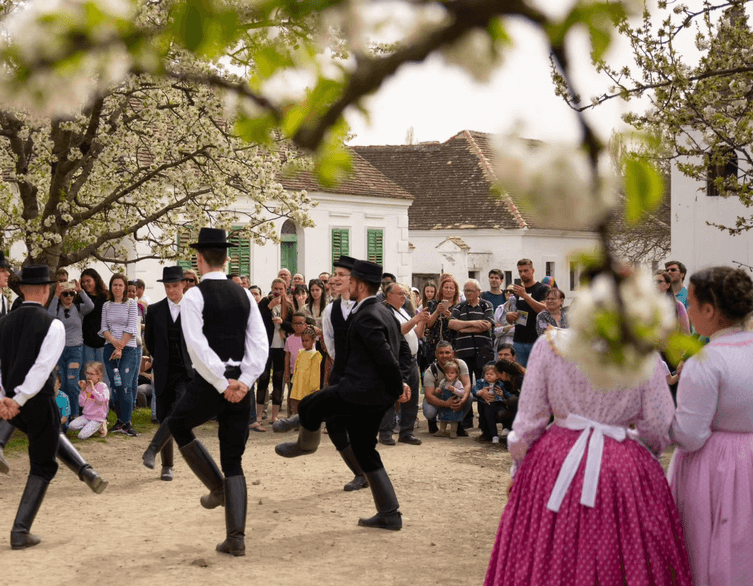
(275, 294)
(518, 282)
(446, 302)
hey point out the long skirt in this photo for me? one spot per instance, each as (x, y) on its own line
(631, 536)
(713, 489)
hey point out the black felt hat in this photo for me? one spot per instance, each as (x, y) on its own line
(212, 238)
(345, 262)
(35, 275)
(171, 275)
(3, 262)
(367, 271)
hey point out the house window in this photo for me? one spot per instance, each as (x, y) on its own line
(340, 243)
(574, 275)
(374, 246)
(239, 257)
(185, 237)
(550, 269)
(722, 172)
(289, 247)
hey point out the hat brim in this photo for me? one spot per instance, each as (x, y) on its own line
(171, 280)
(36, 282)
(200, 245)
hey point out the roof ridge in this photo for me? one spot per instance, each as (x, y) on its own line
(487, 168)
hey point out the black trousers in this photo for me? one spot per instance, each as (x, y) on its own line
(408, 410)
(274, 369)
(171, 394)
(491, 414)
(201, 403)
(361, 422)
(39, 419)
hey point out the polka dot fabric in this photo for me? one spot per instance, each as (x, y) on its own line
(632, 535)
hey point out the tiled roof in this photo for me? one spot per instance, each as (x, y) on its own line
(364, 180)
(451, 183)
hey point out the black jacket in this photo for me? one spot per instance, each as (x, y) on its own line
(375, 353)
(157, 320)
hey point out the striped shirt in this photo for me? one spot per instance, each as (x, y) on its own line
(467, 343)
(120, 319)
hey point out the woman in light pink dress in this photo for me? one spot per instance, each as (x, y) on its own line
(576, 515)
(712, 470)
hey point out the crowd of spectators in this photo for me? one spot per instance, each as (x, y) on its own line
(486, 335)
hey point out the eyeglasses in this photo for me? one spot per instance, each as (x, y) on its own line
(190, 280)
(674, 270)
(510, 291)
(68, 294)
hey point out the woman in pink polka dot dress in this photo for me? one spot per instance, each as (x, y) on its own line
(712, 469)
(589, 504)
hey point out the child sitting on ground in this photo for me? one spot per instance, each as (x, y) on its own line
(64, 405)
(307, 374)
(491, 395)
(94, 399)
(449, 387)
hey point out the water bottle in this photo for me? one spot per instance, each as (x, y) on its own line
(116, 380)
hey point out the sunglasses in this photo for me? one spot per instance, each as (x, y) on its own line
(190, 280)
(68, 294)
(673, 270)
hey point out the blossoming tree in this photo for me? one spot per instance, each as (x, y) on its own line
(86, 46)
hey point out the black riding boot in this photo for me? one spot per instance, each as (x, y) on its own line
(71, 457)
(235, 516)
(167, 461)
(20, 538)
(308, 442)
(388, 516)
(359, 481)
(6, 430)
(160, 439)
(205, 468)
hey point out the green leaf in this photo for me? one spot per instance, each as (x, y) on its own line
(682, 347)
(192, 26)
(644, 187)
(255, 130)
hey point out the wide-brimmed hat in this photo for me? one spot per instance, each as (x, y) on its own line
(35, 275)
(367, 271)
(345, 262)
(171, 275)
(212, 238)
(3, 262)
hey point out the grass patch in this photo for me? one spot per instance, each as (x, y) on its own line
(141, 420)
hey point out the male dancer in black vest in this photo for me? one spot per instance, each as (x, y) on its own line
(335, 332)
(171, 365)
(335, 320)
(227, 342)
(371, 382)
(31, 342)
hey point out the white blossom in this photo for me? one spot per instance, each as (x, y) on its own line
(554, 182)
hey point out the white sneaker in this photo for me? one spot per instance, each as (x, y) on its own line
(495, 439)
(505, 432)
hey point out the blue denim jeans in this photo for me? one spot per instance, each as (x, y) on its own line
(94, 355)
(522, 352)
(69, 365)
(135, 382)
(122, 399)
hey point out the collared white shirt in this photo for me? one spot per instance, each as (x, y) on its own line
(411, 337)
(49, 353)
(328, 331)
(174, 309)
(205, 361)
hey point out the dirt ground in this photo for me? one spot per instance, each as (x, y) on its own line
(301, 525)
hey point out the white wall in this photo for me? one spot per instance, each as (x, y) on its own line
(503, 249)
(697, 244)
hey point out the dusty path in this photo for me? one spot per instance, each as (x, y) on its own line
(301, 525)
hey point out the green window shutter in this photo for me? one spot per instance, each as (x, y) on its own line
(240, 256)
(184, 239)
(374, 246)
(340, 243)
